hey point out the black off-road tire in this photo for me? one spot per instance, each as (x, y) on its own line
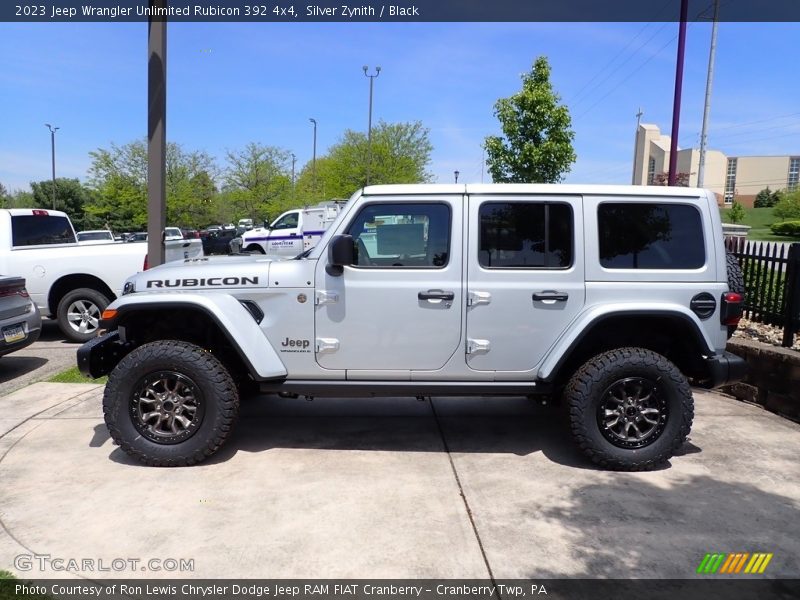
(72, 304)
(586, 391)
(212, 387)
(735, 280)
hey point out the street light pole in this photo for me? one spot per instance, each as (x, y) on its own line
(53, 157)
(636, 146)
(456, 173)
(701, 169)
(314, 160)
(294, 160)
(369, 123)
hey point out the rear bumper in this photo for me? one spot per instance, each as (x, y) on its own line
(725, 368)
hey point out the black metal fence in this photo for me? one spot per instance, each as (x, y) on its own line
(772, 283)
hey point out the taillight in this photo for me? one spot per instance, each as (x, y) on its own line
(731, 308)
(39, 213)
(145, 266)
(24, 293)
(14, 291)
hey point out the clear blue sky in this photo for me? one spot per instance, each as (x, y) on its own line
(234, 83)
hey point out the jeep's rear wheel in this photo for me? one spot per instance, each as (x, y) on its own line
(630, 409)
(170, 403)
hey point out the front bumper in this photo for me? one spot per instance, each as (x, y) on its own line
(725, 368)
(99, 356)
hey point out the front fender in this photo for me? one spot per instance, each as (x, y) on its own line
(233, 319)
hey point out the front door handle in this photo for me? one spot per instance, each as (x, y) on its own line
(436, 295)
(550, 295)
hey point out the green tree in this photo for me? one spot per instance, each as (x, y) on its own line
(788, 208)
(536, 146)
(763, 198)
(71, 197)
(737, 212)
(4, 196)
(401, 153)
(119, 178)
(257, 179)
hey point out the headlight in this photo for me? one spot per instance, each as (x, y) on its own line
(128, 288)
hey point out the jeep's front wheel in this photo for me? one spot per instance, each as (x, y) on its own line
(170, 403)
(630, 409)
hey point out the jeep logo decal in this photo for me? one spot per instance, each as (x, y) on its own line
(211, 281)
(303, 344)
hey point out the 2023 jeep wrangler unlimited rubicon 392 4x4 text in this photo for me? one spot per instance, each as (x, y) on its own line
(612, 299)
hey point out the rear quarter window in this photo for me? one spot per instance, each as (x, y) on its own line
(40, 230)
(640, 235)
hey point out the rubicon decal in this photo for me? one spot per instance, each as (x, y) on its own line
(734, 563)
(211, 281)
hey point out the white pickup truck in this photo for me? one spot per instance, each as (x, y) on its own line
(69, 281)
(293, 232)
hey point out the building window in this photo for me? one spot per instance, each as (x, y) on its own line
(794, 174)
(730, 181)
(651, 171)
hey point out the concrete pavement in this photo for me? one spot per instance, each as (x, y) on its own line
(394, 488)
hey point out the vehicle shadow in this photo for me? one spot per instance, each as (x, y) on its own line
(504, 425)
(12, 366)
(52, 333)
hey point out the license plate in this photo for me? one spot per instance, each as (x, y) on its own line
(14, 333)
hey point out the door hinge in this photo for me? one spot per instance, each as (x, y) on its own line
(323, 297)
(475, 298)
(327, 345)
(478, 346)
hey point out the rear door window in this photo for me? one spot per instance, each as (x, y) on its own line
(40, 230)
(639, 235)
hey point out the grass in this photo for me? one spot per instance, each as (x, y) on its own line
(73, 375)
(6, 575)
(759, 219)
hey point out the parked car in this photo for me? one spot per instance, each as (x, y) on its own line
(20, 322)
(218, 241)
(139, 236)
(95, 236)
(172, 233)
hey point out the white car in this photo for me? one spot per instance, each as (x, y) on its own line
(95, 236)
(172, 233)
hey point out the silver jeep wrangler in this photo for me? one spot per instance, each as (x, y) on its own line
(608, 299)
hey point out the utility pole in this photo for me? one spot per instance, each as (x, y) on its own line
(156, 135)
(701, 169)
(294, 160)
(676, 104)
(369, 124)
(636, 146)
(314, 160)
(53, 157)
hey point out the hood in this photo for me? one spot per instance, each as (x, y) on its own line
(217, 272)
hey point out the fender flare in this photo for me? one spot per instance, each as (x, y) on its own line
(584, 324)
(233, 319)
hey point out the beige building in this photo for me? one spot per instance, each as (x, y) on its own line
(729, 177)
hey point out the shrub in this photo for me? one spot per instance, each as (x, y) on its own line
(737, 213)
(787, 228)
(788, 208)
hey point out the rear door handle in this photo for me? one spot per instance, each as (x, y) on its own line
(550, 295)
(436, 295)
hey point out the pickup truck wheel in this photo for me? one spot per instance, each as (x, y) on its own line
(255, 248)
(78, 314)
(630, 409)
(170, 403)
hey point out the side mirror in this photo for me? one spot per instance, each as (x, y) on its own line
(266, 224)
(341, 252)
